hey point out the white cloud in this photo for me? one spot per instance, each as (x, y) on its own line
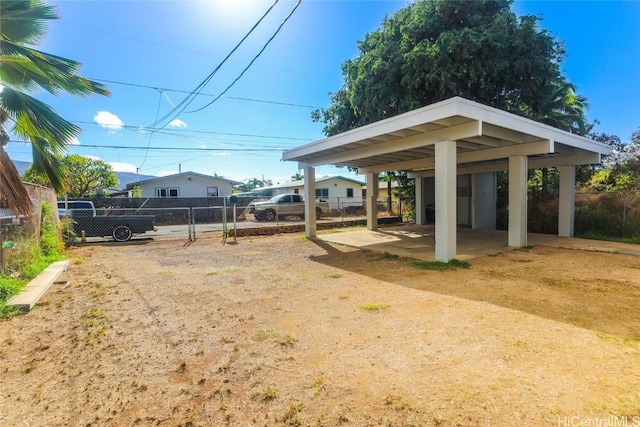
(122, 167)
(74, 141)
(108, 120)
(177, 123)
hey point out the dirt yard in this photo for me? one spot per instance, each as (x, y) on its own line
(284, 331)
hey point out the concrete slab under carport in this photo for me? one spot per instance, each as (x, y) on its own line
(418, 241)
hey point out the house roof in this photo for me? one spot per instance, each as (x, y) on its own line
(355, 181)
(162, 178)
(485, 139)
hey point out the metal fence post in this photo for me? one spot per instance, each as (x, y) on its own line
(624, 212)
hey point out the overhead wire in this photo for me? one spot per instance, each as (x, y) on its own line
(265, 101)
(151, 134)
(172, 132)
(189, 98)
(253, 60)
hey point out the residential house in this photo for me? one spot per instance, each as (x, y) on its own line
(185, 184)
(339, 191)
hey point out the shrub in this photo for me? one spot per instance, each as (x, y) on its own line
(30, 258)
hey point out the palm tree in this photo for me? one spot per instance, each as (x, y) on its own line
(560, 106)
(25, 70)
(297, 177)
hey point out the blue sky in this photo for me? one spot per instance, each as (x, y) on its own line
(152, 53)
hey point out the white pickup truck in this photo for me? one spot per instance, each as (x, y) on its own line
(283, 205)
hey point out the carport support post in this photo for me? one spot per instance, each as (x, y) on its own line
(310, 224)
(518, 201)
(420, 206)
(446, 210)
(567, 200)
(372, 200)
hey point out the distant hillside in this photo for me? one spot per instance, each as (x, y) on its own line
(128, 177)
(21, 166)
(124, 178)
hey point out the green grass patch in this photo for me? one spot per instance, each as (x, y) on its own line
(28, 259)
(9, 286)
(454, 264)
(387, 255)
(372, 307)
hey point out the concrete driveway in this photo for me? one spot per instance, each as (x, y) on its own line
(418, 241)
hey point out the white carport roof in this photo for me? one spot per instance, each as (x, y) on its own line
(485, 138)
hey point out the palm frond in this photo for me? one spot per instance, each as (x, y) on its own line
(47, 164)
(12, 188)
(24, 21)
(26, 67)
(35, 118)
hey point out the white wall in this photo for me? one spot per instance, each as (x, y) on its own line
(188, 185)
(484, 199)
(338, 193)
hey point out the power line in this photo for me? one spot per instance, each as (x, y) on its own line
(287, 104)
(151, 134)
(125, 147)
(177, 148)
(164, 132)
(132, 38)
(252, 61)
(189, 98)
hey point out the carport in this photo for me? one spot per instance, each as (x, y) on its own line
(443, 141)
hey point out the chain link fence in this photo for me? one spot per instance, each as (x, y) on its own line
(615, 214)
(81, 221)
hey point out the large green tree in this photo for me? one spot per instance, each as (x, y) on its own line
(432, 50)
(84, 176)
(24, 71)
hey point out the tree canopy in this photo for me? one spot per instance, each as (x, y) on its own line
(84, 176)
(433, 50)
(24, 71)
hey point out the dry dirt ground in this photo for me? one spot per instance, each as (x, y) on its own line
(281, 330)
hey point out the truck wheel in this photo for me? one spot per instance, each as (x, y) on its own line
(270, 215)
(318, 213)
(121, 233)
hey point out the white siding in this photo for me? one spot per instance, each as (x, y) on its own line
(187, 185)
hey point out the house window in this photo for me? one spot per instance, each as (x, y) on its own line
(167, 192)
(322, 192)
(296, 191)
(212, 192)
(349, 192)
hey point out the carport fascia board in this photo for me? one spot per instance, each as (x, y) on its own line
(462, 131)
(412, 119)
(499, 123)
(513, 122)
